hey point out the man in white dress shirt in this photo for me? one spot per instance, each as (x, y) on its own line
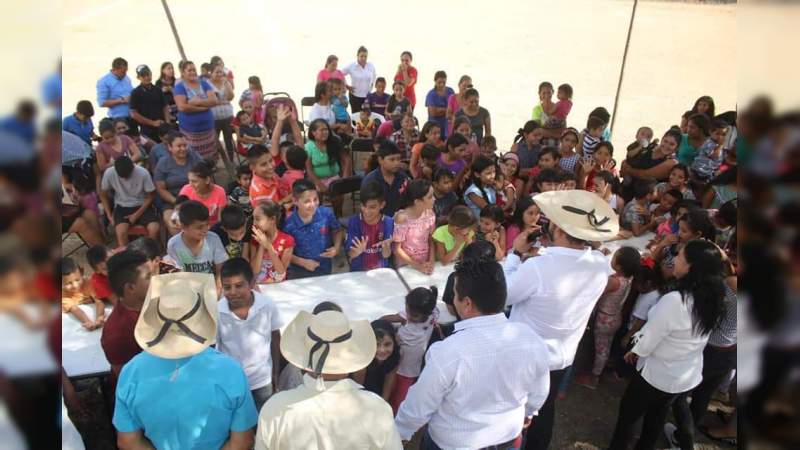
(484, 383)
(556, 291)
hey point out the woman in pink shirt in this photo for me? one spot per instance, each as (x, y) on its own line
(455, 101)
(330, 70)
(201, 187)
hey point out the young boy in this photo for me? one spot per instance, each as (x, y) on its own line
(389, 176)
(249, 329)
(379, 99)
(239, 191)
(76, 291)
(80, 123)
(429, 154)
(709, 158)
(265, 185)
(366, 126)
(134, 193)
(446, 199)
(644, 140)
(591, 135)
(636, 216)
(194, 249)
(249, 133)
(316, 231)
(97, 256)
(398, 104)
(339, 102)
(546, 181)
(159, 150)
(489, 147)
(548, 159)
(296, 158)
(152, 251)
(233, 231)
(369, 234)
(450, 239)
(567, 180)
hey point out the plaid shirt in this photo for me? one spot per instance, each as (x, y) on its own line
(725, 333)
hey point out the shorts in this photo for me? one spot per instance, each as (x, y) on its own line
(148, 216)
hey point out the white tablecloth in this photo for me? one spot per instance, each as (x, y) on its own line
(81, 353)
(24, 351)
(417, 279)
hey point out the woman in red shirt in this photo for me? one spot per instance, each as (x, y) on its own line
(408, 75)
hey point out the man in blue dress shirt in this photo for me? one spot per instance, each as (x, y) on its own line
(114, 90)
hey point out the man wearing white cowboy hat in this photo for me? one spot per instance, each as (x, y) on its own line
(481, 385)
(556, 291)
(180, 393)
(329, 411)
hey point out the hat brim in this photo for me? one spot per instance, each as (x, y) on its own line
(343, 358)
(576, 225)
(175, 344)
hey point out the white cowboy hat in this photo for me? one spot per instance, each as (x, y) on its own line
(581, 214)
(328, 343)
(179, 315)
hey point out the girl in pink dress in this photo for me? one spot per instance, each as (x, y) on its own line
(414, 225)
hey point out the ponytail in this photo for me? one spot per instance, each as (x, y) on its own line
(480, 164)
(529, 126)
(413, 191)
(422, 300)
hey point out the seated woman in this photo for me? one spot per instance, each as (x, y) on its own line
(114, 145)
(656, 163)
(74, 217)
(328, 160)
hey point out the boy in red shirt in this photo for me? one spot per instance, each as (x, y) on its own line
(265, 184)
(97, 257)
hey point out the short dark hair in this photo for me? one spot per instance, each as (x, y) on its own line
(594, 122)
(123, 268)
(439, 74)
(232, 217)
(68, 266)
(629, 260)
(361, 49)
(326, 306)
(483, 282)
(85, 107)
(471, 92)
(96, 255)
(237, 266)
(545, 84)
(440, 173)
(566, 89)
(422, 300)
(388, 148)
(728, 212)
(240, 114)
(164, 129)
(146, 246)
(429, 151)
(119, 63)
(192, 211)
(123, 166)
(255, 152)
(380, 80)
(493, 212)
(547, 176)
(489, 141)
(642, 186)
(296, 157)
(719, 124)
(552, 151)
(674, 193)
(461, 216)
(243, 169)
(601, 113)
(372, 191)
(203, 169)
(566, 175)
(302, 185)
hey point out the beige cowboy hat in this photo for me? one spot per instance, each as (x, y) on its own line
(581, 214)
(179, 315)
(328, 343)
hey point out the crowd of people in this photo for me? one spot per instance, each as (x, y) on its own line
(525, 226)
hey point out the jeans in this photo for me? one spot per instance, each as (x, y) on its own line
(261, 395)
(541, 430)
(641, 399)
(355, 103)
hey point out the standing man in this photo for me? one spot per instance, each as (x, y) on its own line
(180, 392)
(148, 107)
(129, 277)
(482, 385)
(329, 411)
(555, 292)
(114, 90)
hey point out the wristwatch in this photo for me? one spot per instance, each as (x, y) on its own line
(520, 255)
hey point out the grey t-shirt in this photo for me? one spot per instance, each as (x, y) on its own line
(175, 176)
(212, 253)
(131, 191)
(476, 122)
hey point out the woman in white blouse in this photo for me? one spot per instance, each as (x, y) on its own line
(669, 350)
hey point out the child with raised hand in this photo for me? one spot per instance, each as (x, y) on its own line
(526, 217)
(567, 181)
(414, 224)
(481, 192)
(601, 160)
(271, 249)
(418, 322)
(380, 375)
(369, 234)
(591, 136)
(97, 256)
(239, 190)
(506, 192)
(450, 239)
(678, 179)
(490, 228)
(76, 291)
(233, 231)
(429, 136)
(445, 198)
(607, 186)
(709, 158)
(317, 233)
(608, 319)
(265, 185)
(452, 158)
(644, 140)
(636, 217)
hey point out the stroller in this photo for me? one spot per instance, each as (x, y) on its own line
(271, 102)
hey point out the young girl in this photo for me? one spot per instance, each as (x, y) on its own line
(254, 93)
(695, 224)
(380, 375)
(600, 160)
(450, 239)
(526, 217)
(569, 157)
(417, 325)
(678, 179)
(202, 188)
(165, 82)
(606, 185)
(327, 159)
(271, 248)
(646, 284)
(452, 158)
(464, 128)
(398, 103)
(506, 192)
(429, 135)
(608, 317)
(480, 192)
(414, 225)
(490, 228)
(509, 163)
(527, 145)
(406, 136)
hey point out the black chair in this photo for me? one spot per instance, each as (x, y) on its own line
(362, 145)
(305, 102)
(344, 186)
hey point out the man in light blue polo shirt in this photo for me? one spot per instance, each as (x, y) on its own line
(180, 393)
(114, 90)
